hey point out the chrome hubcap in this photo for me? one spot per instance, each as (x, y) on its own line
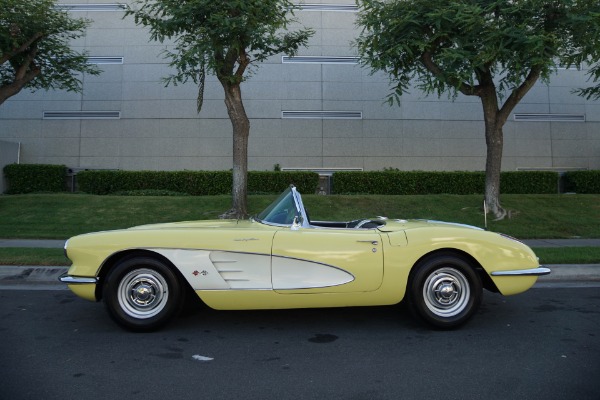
(446, 292)
(143, 293)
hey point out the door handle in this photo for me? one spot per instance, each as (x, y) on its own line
(373, 242)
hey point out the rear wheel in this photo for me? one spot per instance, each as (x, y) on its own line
(444, 291)
(142, 294)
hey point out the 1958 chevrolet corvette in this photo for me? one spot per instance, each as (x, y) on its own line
(282, 259)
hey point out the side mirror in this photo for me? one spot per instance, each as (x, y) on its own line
(296, 224)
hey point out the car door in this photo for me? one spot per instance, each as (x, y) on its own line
(324, 260)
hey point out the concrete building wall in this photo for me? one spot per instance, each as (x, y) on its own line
(157, 127)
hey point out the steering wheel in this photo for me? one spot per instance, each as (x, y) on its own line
(357, 224)
(362, 223)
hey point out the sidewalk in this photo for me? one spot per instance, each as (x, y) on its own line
(562, 242)
(47, 244)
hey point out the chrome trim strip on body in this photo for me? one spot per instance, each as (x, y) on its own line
(69, 280)
(313, 262)
(524, 272)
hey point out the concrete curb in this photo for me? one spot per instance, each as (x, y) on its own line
(17, 275)
(572, 273)
(31, 277)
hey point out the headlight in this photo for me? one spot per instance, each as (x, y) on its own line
(65, 249)
(510, 237)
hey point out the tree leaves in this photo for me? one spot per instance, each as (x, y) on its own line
(223, 38)
(503, 38)
(493, 49)
(34, 48)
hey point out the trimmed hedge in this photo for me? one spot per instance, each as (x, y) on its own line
(277, 182)
(585, 182)
(197, 183)
(30, 178)
(191, 182)
(529, 182)
(407, 182)
(424, 182)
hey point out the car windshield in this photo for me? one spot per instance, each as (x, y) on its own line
(282, 211)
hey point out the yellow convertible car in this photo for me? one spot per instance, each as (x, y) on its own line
(283, 259)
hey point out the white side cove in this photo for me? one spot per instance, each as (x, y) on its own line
(243, 271)
(220, 270)
(290, 273)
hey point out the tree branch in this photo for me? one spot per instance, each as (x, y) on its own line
(15, 87)
(22, 70)
(464, 88)
(518, 94)
(243, 64)
(22, 48)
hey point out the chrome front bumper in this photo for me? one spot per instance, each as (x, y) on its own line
(524, 272)
(68, 279)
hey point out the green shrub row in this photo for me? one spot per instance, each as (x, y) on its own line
(529, 182)
(424, 182)
(277, 182)
(586, 182)
(29, 178)
(191, 182)
(197, 183)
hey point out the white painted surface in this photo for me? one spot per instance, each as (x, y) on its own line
(196, 267)
(289, 273)
(219, 270)
(243, 271)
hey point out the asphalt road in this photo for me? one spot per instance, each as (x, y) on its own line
(543, 344)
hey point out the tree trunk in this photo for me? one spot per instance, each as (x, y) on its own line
(241, 131)
(494, 139)
(493, 166)
(495, 118)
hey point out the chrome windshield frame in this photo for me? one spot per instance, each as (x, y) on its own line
(300, 213)
(304, 222)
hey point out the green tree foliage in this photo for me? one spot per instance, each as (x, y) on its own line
(34, 48)
(494, 49)
(224, 38)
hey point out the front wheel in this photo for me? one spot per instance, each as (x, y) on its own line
(142, 294)
(444, 291)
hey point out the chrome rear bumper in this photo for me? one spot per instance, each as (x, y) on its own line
(524, 272)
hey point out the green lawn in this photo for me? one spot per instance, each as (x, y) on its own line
(59, 216)
(568, 255)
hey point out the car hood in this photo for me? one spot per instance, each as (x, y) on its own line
(393, 225)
